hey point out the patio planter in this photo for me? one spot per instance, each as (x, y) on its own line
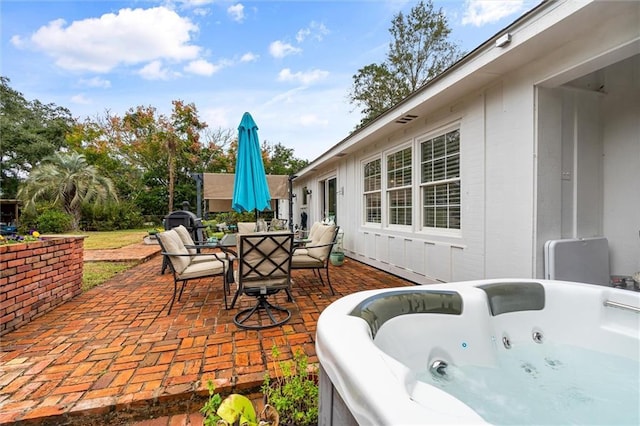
(37, 276)
(336, 258)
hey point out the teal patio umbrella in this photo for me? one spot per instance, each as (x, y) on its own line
(250, 189)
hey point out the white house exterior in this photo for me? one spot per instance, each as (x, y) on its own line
(518, 143)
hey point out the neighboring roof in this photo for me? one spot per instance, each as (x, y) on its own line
(219, 188)
(545, 28)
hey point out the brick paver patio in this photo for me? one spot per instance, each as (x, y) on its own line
(113, 353)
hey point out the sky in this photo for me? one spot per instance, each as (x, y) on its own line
(289, 63)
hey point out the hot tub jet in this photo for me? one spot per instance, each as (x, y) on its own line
(439, 368)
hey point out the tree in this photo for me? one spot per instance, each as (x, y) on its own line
(281, 161)
(29, 131)
(66, 180)
(93, 138)
(419, 51)
(219, 151)
(183, 139)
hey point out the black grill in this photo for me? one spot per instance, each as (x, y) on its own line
(188, 220)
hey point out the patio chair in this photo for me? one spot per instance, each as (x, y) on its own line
(186, 266)
(198, 246)
(192, 246)
(264, 268)
(315, 254)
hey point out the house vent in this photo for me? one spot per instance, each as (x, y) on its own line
(407, 118)
(342, 154)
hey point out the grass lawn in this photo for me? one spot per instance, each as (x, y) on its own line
(113, 239)
(95, 273)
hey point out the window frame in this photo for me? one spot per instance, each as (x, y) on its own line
(407, 189)
(378, 191)
(445, 180)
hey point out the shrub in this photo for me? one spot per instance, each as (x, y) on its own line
(110, 217)
(53, 222)
(293, 392)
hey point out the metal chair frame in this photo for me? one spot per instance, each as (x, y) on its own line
(178, 278)
(317, 270)
(264, 268)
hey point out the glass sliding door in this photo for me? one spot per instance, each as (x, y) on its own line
(329, 198)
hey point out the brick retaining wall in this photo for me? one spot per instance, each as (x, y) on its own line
(35, 277)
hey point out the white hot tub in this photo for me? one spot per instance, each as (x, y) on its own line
(491, 351)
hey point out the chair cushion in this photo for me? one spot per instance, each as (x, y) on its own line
(299, 251)
(306, 261)
(264, 262)
(173, 244)
(185, 236)
(313, 229)
(254, 257)
(208, 257)
(267, 283)
(202, 269)
(324, 235)
(246, 227)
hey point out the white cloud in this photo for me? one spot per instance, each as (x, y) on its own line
(96, 82)
(216, 118)
(302, 77)
(129, 37)
(80, 99)
(18, 41)
(315, 30)
(155, 71)
(196, 3)
(481, 12)
(279, 49)
(202, 67)
(249, 57)
(236, 12)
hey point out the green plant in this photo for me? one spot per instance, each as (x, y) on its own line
(293, 392)
(17, 239)
(54, 222)
(234, 410)
(210, 407)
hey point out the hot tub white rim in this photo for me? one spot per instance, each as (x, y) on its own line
(330, 356)
(355, 331)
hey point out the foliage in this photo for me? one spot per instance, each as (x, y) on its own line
(293, 392)
(419, 50)
(66, 180)
(110, 216)
(234, 410)
(281, 161)
(210, 408)
(17, 239)
(232, 217)
(149, 157)
(54, 221)
(29, 131)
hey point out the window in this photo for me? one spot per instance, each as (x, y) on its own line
(399, 187)
(372, 197)
(305, 193)
(440, 181)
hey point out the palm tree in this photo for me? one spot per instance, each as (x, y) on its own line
(67, 180)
